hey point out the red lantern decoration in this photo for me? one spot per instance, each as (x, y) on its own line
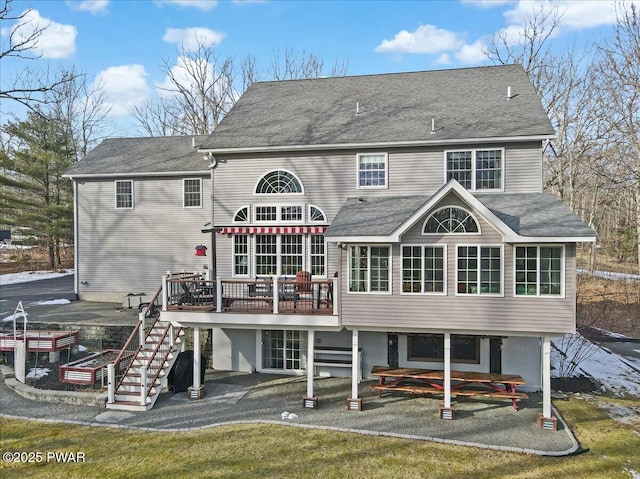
(201, 250)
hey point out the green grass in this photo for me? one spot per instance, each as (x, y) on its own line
(248, 451)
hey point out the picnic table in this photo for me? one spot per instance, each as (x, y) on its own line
(463, 383)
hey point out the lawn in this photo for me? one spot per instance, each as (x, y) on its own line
(610, 450)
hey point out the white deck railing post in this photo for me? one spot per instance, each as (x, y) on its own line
(141, 331)
(172, 336)
(334, 299)
(143, 385)
(275, 293)
(218, 294)
(165, 292)
(111, 383)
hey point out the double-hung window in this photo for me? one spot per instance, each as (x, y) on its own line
(124, 194)
(479, 270)
(278, 254)
(192, 189)
(372, 170)
(317, 255)
(424, 269)
(241, 255)
(476, 169)
(538, 270)
(370, 269)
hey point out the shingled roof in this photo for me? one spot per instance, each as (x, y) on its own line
(128, 156)
(530, 215)
(397, 108)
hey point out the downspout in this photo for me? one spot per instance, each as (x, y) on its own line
(76, 288)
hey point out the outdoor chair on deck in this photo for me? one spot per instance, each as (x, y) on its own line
(303, 288)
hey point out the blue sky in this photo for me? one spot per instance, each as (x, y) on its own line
(123, 43)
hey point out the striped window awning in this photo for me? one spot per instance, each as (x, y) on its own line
(274, 230)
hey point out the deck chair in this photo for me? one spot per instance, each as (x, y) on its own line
(303, 287)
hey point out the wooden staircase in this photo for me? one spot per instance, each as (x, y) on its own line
(142, 380)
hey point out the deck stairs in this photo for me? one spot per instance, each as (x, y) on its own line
(152, 361)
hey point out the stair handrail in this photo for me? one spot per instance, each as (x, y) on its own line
(132, 351)
(151, 383)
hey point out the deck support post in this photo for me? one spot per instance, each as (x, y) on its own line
(546, 420)
(111, 383)
(195, 391)
(310, 401)
(218, 294)
(353, 402)
(446, 410)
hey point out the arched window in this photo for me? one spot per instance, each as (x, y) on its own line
(316, 214)
(450, 219)
(242, 215)
(279, 182)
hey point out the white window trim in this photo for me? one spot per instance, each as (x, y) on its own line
(115, 189)
(386, 172)
(184, 181)
(234, 255)
(248, 220)
(473, 168)
(253, 252)
(321, 211)
(424, 223)
(307, 261)
(278, 220)
(390, 268)
(266, 195)
(479, 294)
(563, 278)
(445, 265)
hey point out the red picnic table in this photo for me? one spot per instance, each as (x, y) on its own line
(463, 383)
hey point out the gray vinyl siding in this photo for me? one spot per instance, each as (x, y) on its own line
(128, 250)
(329, 178)
(504, 313)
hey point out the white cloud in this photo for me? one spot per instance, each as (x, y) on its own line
(55, 41)
(94, 7)
(443, 59)
(124, 87)
(472, 54)
(575, 15)
(205, 5)
(190, 37)
(486, 3)
(426, 39)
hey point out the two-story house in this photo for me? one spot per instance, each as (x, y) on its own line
(383, 220)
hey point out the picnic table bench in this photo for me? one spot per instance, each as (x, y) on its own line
(463, 383)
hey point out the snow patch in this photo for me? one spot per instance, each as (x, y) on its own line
(608, 369)
(37, 373)
(288, 415)
(55, 301)
(25, 277)
(610, 275)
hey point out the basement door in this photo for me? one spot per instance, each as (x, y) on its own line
(284, 350)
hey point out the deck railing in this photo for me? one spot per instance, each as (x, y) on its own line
(275, 295)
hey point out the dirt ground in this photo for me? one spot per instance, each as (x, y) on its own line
(16, 260)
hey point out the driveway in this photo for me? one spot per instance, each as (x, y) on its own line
(34, 292)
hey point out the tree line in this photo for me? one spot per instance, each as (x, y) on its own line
(592, 98)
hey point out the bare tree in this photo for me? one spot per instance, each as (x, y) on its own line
(619, 71)
(294, 65)
(530, 48)
(29, 87)
(81, 108)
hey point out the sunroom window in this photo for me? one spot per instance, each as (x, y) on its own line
(538, 270)
(451, 220)
(423, 269)
(479, 270)
(369, 269)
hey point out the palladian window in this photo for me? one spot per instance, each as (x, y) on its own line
(278, 182)
(451, 219)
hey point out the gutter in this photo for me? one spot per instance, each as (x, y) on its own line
(388, 144)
